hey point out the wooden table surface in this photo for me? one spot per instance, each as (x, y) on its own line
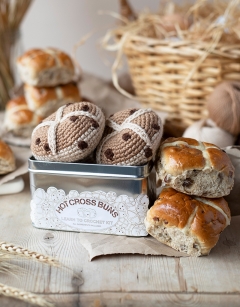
(120, 280)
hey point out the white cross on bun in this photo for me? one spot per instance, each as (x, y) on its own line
(46, 100)
(45, 67)
(70, 134)
(19, 119)
(131, 137)
(195, 168)
(187, 223)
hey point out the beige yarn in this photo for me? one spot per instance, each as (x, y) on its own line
(224, 106)
(131, 138)
(206, 130)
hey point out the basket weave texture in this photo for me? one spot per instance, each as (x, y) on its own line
(176, 75)
(160, 74)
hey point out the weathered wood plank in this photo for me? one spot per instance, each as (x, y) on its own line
(220, 270)
(218, 273)
(116, 299)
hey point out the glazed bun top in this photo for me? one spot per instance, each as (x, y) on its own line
(201, 218)
(182, 154)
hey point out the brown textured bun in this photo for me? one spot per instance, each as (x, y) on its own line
(45, 67)
(70, 134)
(131, 137)
(195, 168)
(187, 223)
(46, 100)
(7, 159)
(19, 119)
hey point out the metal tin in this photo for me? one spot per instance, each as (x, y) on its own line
(91, 197)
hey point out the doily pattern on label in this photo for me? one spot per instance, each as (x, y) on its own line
(97, 211)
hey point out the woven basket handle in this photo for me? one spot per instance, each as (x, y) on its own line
(115, 67)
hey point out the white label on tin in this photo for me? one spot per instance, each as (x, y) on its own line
(89, 211)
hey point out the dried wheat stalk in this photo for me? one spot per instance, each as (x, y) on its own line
(11, 15)
(9, 252)
(24, 252)
(24, 296)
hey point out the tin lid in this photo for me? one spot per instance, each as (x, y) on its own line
(88, 170)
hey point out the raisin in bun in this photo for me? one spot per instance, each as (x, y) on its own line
(187, 223)
(19, 119)
(7, 159)
(195, 168)
(45, 67)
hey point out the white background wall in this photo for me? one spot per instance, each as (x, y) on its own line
(62, 23)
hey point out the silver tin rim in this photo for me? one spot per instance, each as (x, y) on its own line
(77, 169)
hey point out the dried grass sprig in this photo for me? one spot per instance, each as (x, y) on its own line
(177, 56)
(204, 15)
(9, 252)
(24, 252)
(12, 13)
(11, 16)
(24, 296)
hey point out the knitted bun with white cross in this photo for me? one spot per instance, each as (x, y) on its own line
(187, 223)
(195, 168)
(70, 134)
(131, 137)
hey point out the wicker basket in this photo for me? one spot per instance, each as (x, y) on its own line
(176, 76)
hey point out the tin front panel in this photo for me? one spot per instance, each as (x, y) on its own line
(111, 206)
(130, 187)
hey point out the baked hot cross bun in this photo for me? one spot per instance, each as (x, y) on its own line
(45, 67)
(189, 224)
(19, 119)
(195, 168)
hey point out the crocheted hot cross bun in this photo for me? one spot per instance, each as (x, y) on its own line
(70, 134)
(195, 168)
(131, 137)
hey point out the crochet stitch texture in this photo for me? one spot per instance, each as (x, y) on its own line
(70, 134)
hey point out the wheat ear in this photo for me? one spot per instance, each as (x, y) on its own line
(20, 251)
(24, 296)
